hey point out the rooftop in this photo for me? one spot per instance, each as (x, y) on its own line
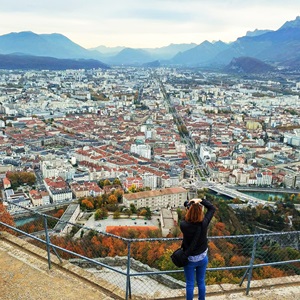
(24, 274)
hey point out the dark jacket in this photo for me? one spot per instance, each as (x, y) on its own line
(189, 230)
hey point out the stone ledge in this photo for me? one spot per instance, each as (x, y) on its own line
(65, 265)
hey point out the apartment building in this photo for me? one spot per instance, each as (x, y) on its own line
(157, 199)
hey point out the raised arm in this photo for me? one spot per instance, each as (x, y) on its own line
(210, 209)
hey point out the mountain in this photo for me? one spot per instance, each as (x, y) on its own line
(169, 51)
(30, 62)
(108, 51)
(276, 47)
(200, 54)
(266, 45)
(291, 24)
(257, 32)
(248, 65)
(114, 55)
(52, 45)
(273, 46)
(129, 56)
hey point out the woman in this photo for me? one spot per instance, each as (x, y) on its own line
(196, 220)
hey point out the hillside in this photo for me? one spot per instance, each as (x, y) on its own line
(248, 65)
(15, 61)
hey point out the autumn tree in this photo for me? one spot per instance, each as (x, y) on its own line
(119, 194)
(20, 178)
(6, 218)
(117, 214)
(112, 199)
(106, 182)
(132, 188)
(116, 181)
(87, 204)
(101, 213)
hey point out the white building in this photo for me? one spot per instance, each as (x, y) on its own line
(52, 166)
(142, 150)
(150, 180)
(157, 199)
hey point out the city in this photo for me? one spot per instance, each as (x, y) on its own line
(154, 129)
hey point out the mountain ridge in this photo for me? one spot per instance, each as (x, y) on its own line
(19, 61)
(270, 46)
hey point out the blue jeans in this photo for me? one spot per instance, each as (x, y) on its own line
(189, 273)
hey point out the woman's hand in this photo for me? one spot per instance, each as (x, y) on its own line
(196, 200)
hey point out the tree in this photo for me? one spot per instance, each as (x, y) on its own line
(101, 183)
(87, 204)
(132, 188)
(119, 194)
(116, 214)
(133, 208)
(117, 181)
(148, 213)
(101, 213)
(20, 178)
(6, 218)
(112, 199)
(106, 182)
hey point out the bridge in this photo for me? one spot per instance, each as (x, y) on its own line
(232, 193)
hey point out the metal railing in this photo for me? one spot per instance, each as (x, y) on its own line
(141, 267)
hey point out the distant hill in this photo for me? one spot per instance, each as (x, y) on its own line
(129, 56)
(51, 45)
(136, 56)
(29, 62)
(152, 64)
(248, 65)
(108, 51)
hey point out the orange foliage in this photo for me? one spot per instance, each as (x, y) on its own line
(213, 249)
(218, 257)
(267, 272)
(219, 229)
(88, 204)
(5, 217)
(123, 230)
(112, 199)
(59, 213)
(237, 260)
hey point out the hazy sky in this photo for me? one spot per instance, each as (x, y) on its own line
(145, 23)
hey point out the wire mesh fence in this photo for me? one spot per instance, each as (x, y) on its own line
(142, 268)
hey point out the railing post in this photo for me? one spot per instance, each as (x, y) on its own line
(47, 241)
(128, 284)
(251, 263)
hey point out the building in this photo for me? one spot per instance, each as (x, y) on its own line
(6, 183)
(157, 199)
(143, 150)
(85, 189)
(133, 181)
(18, 198)
(58, 189)
(39, 198)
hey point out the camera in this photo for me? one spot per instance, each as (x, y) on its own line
(188, 204)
